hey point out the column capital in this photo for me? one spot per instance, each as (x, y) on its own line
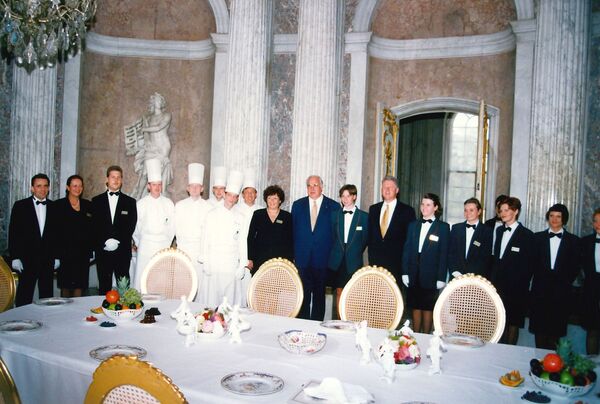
(357, 41)
(221, 42)
(524, 29)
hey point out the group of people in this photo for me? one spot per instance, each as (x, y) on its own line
(229, 241)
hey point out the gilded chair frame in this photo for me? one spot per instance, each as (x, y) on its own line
(276, 288)
(8, 286)
(8, 389)
(182, 259)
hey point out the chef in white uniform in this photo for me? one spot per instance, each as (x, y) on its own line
(155, 226)
(190, 214)
(224, 250)
(247, 204)
(219, 174)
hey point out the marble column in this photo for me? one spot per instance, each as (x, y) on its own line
(558, 109)
(70, 119)
(32, 129)
(316, 98)
(525, 32)
(247, 100)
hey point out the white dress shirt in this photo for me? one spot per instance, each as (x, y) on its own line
(597, 254)
(40, 212)
(554, 244)
(348, 221)
(424, 230)
(112, 204)
(469, 236)
(506, 237)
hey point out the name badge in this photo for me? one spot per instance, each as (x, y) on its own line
(279, 221)
(88, 214)
(515, 249)
(358, 228)
(476, 243)
(433, 237)
(124, 212)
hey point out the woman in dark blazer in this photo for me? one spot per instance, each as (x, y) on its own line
(512, 267)
(555, 266)
(270, 234)
(424, 262)
(591, 287)
(74, 218)
(350, 236)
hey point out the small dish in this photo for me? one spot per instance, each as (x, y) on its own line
(19, 326)
(339, 325)
(107, 351)
(90, 320)
(301, 342)
(53, 301)
(252, 383)
(152, 297)
(463, 341)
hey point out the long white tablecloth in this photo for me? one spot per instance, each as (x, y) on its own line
(52, 364)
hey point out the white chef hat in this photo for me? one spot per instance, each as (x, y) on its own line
(153, 168)
(234, 182)
(249, 179)
(219, 176)
(195, 173)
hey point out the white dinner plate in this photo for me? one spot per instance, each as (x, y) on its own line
(339, 325)
(152, 297)
(19, 326)
(252, 383)
(53, 301)
(463, 341)
(105, 352)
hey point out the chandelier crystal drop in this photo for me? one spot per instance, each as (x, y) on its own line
(39, 33)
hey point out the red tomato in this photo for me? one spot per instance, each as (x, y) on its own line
(112, 296)
(552, 363)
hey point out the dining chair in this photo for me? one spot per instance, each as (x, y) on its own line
(8, 389)
(171, 274)
(276, 289)
(126, 380)
(373, 295)
(8, 286)
(470, 305)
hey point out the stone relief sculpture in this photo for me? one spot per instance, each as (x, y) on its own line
(389, 140)
(147, 138)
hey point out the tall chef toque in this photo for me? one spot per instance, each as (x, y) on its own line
(234, 182)
(249, 179)
(219, 176)
(153, 168)
(195, 173)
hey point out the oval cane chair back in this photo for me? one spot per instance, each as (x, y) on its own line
(372, 294)
(8, 287)
(127, 380)
(276, 289)
(470, 305)
(8, 390)
(171, 274)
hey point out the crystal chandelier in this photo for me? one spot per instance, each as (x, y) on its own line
(38, 33)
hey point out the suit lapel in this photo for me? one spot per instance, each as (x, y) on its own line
(353, 224)
(35, 217)
(340, 227)
(432, 230)
(546, 249)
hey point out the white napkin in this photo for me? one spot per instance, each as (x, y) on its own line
(337, 392)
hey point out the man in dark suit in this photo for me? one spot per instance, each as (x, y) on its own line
(495, 222)
(114, 216)
(555, 266)
(470, 248)
(313, 237)
(388, 224)
(591, 287)
(31, 241)
(350, 236)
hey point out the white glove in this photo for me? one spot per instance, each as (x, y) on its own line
(440, 284)
(111, 244)
(240, 272)
(93, 256)
(17, 265)
(405, 280)
(456, 274)
(206, 270)
(56, 264)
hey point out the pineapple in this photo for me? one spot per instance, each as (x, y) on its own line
(564, 348)
(122, 285)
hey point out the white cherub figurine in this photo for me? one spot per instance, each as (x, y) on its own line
(406, 330)
(187, 326)
(362, 342)
(386, 358)
(436, 347)
(225, 308)
(235, 325)
(183, 307)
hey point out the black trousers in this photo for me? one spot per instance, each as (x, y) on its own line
(313, 283)
(42, 273)
(106, 265)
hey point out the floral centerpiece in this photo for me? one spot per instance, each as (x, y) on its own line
(211, 322)
(407, 354)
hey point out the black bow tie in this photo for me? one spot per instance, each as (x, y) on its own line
(114, 193)
(506, 228)
(550, 235)
(426, 220)
(41, 202)
(348, 212)
(471, 226)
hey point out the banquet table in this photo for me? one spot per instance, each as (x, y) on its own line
(53, 365)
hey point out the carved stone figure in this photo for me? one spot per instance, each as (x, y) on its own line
(147, 139)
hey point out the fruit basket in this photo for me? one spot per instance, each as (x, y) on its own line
(300, 342)
(561, 389)
(122, 315)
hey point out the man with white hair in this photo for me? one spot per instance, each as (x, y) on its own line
(155, 226)
(190, 214)
(224, 250)
(219, 174)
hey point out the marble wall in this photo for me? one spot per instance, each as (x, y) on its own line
(115, 93)
(409, 19)
(5, 105)
(399, 82)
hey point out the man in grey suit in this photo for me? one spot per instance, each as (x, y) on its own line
(350, 236)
